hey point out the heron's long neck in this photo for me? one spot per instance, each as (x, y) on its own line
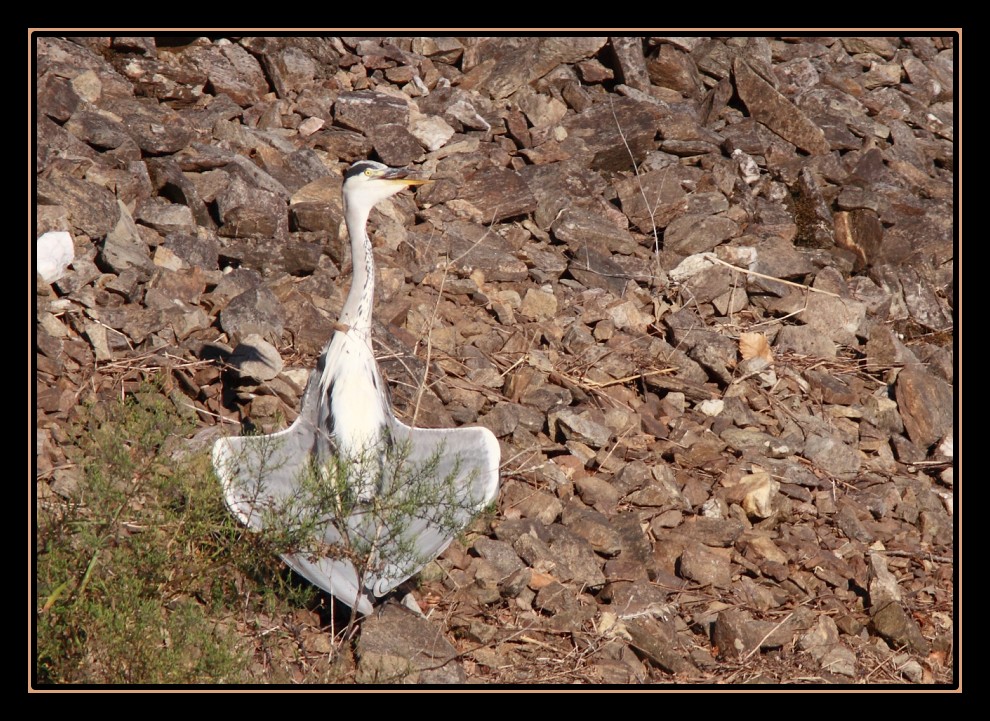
(356, 312)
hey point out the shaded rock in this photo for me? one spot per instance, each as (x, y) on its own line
(536, 553)
(567, 609)
(364, 110)
(635, 545)
(471, 247)
(248, 212)
(834, 389)
(155, 129)
(884, 348)
(492, 194)
(832, 455)
(657, 642)
(124, 248)
(395, 145)
(321, 217)
(859, 231)
(691, 234)
(594, 135)
(574, 558)
(169, 180)
(166, 217)
(499, 554)
(559, 187)
(255, 311)
(925, 404)
(231, 70)
(101, 130)
(666, 189)
(594, 528)
(883, 585)
(595, 269)
(836, 318)
(290, 66)
(579, 228)
(883, 413)
(737, 634)
(660, 492)
(579, 427)
(898, 627)
(500, 66)
(923, 302)
(91, 208)
(805, 341)
(502, 419)
(705, 567)
(530, 502)
(721, 532)
(840, 660)
(597, 492)
(75, 60)
(56, 97)
(256, 359)
(396, 646)
(777, 112)
(194, 251)
(672, 68)
(820, 638)
(628, 53)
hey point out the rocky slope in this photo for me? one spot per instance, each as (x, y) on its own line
(702, 290)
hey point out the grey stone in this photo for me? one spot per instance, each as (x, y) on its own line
(396, 646)
(574, 558)
(124, 248)
(91, 208)
(806, 341)
(499, 554)
(926, 405)
(832, 455)
(704, 566)
(777, 112)
(256, 359)
(255, 311)
(579, 427)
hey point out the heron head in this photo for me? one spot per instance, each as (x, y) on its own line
(367, 182)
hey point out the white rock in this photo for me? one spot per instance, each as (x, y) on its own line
(945, 448)
(692, 265)
(711, 407)
(749, 171)
(55, 252)
(310, 125)
(627, 315)
(431, 130)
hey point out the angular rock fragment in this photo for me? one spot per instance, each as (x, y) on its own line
(777, 112)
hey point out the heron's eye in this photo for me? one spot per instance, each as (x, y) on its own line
(369, 172)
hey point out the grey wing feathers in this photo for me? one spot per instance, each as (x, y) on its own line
(465, 462)
(261, 476)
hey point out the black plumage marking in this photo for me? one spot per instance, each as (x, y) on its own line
(359, 167)
(330, 422)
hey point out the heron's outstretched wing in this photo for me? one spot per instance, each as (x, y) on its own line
(263, 484)
(449, 475)
(439, 479)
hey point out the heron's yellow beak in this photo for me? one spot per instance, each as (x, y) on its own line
(400, 177)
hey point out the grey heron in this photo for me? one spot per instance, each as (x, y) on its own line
(374, 499)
